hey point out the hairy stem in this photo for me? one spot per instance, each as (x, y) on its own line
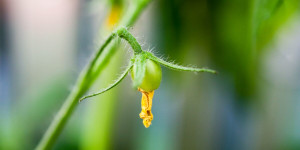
(123, 33)
(83, 83)
(178, 67)
(63, 115)
(122, 76)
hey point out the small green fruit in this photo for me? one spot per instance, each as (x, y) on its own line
(152, 78)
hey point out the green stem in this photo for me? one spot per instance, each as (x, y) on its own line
(83, 83)
(123, 33)
(122, 76)
(63, 115)
(178, 67)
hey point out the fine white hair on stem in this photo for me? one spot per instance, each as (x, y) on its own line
(152, 50)
(177, 67)
(115, 83)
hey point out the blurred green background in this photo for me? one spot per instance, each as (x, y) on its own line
(252, 104)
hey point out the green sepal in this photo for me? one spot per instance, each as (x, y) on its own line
(138, 70)
(178, 67)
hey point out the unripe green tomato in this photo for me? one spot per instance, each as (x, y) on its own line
(152, 78)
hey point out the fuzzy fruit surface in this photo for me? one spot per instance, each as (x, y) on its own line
(152, 78)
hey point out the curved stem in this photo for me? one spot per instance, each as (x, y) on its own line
(125, 34)
(83, 83)
(122, 76)
(121, 32)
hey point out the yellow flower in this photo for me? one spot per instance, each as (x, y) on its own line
(146, 113)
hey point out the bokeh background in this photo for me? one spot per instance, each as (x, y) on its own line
(252, 104)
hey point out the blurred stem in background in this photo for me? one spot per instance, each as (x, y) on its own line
(238, 39)
(98, 119)
(183, 35)
(99, 115)
(86, 79)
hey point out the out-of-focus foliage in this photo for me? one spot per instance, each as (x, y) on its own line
(233, 31)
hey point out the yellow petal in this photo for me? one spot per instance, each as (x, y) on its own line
(146, 113)
(114, 16)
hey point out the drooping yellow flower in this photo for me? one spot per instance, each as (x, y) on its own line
(146, 113)
(149, 82)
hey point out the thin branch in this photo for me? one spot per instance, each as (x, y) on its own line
(122, 76)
